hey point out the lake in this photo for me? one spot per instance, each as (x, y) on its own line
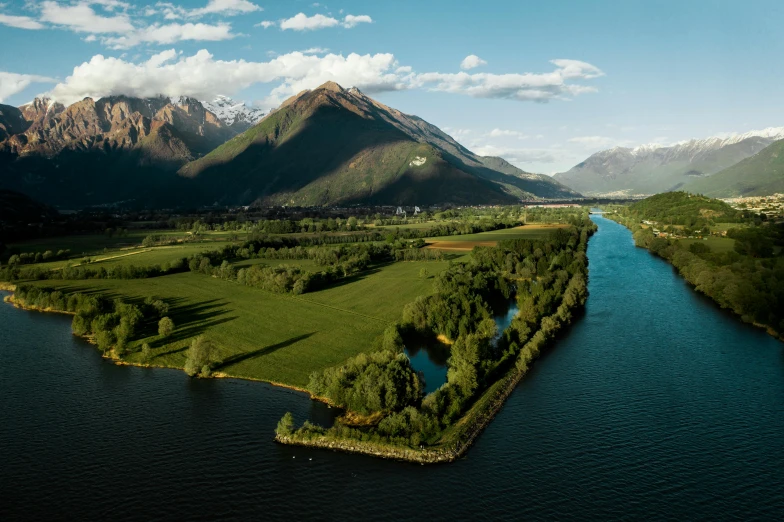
(656, 404)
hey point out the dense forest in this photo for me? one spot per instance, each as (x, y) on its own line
(749, 279)
(547, 278)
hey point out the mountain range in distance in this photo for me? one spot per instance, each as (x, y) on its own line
(741, 165)
(326, 146)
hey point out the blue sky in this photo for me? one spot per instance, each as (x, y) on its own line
(551, 82)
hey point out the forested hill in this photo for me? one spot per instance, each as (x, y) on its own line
(682, 208)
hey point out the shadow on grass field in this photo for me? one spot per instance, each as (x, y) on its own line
(238, 358)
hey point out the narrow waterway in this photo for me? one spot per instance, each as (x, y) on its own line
(655, 405)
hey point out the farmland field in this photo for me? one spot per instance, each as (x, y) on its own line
(261, 335)
(469, 241)
(716, 244)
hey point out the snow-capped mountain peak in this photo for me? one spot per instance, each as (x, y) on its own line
(234, 114)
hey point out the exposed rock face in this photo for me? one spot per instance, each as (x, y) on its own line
(116, 123)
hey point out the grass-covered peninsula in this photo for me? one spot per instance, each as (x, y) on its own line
(327, 306)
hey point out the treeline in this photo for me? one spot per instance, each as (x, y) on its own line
(27, 258)
(130, 271)
(112, 323)
(749, 280)
(461, 310)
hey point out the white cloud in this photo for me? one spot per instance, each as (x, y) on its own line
(13, 83)
(539, 87)
(172, 11)
(82, 18)
(471, 61)
(315, 50)
(226, 7)
(303, 22)
(20, 22)
(501, 133)
(265, 24)
(202, 76)
(351, 21)
(171, 33)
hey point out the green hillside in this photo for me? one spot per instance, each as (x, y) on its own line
(682, 208)
(759, 175)
(329, 146)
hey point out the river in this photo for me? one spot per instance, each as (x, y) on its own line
(654, 405)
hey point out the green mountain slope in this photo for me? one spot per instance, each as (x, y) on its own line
(334, 146)
(759, 175)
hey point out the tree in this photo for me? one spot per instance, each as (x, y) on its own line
(285, 425)
(200, 356)
(146, 352)
(423, 273)
(165, 327)
(105, 339)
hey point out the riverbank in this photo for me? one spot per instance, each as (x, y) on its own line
(682, 260)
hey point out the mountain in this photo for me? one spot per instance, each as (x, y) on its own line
(759, 175)
(19, 208)
(106, 150)
(237, 116)
(336, 146)
(650, 169)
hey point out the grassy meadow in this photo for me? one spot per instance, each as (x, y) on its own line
(279, 338)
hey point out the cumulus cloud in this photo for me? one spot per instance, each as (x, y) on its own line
(471, 61)
(539, 87)
(265, 24)
(303, 22)
(351, 21)
(82, 18)
(201, 75)
(13, 83)
(20, 22)
(170, 33)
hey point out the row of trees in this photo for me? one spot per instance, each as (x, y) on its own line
(27, 258)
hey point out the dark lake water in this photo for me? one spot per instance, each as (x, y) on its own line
(655, 405)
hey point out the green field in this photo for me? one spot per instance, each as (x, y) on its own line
(716, 244)
(272, 337)
(522, 232)
(280, 338)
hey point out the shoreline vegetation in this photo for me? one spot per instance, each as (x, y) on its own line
(747, 280)
(441, 426)
(544, 270)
